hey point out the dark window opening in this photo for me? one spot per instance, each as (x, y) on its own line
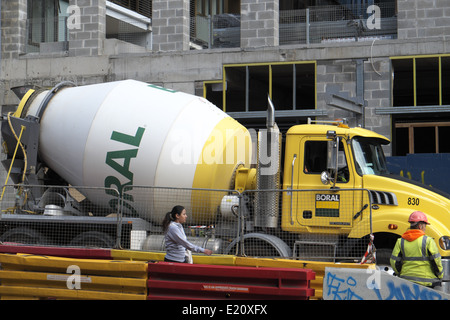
(258, 87)
(427, 135)
(403, 82)
(291, 86)
(427, 81)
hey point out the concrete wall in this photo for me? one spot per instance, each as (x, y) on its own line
(173, 65)
(185, 70)
(14, 15)
(170, 25)
(259, 23)
(87, 38)
(423, 18)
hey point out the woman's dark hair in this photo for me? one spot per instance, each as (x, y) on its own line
(171, 216)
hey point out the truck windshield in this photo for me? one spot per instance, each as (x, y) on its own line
(369, 156)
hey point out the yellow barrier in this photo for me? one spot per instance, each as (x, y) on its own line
(26, 276)
(221, 260)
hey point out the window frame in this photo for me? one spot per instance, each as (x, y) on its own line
(270, 66)
(414, 61)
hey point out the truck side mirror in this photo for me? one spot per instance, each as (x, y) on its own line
(332, 154)
(325, 177)
(332, 159)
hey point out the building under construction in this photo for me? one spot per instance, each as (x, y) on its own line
(381, 64)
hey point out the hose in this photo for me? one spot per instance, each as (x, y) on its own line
(18, 138)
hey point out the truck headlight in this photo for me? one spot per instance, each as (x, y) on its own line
(444, 242)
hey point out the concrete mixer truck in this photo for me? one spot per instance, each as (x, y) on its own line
(130, 148)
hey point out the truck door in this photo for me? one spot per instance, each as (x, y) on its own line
(323, 207)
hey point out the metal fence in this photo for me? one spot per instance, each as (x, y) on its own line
(322, 24)
(217, 31)
(316, 24)
(310, 225)
(326, 224)
(62, 216)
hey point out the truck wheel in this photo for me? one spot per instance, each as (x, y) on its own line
(23, 236)
(261, 245)
(92, 239)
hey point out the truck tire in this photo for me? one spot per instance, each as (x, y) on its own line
(24, 236)
(261, 245)
(92, 239)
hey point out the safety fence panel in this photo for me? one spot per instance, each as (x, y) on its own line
(315, 24)
(104, 218)
(60, 215)
(212, 215)
(325, 224)
(189, 281)
(338, 23)
(45, 277)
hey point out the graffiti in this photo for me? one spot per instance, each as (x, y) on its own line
(341, 289)
(409, 291)
(373, 284)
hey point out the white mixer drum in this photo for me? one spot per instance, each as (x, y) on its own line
(130, 133)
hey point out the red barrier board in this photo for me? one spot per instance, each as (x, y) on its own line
(195, 281)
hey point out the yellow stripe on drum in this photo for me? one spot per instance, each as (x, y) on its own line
(228, 147)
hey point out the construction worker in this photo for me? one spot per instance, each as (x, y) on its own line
(415, 256)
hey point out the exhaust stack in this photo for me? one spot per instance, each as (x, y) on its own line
(268, 173)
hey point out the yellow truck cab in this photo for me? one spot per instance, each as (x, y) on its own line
(345, 189)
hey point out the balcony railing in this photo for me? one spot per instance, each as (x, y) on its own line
(336, 24)
(318, 24)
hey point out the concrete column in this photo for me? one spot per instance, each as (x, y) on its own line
(259, 23)
(13, 26)
(170, 23)
(86, 35)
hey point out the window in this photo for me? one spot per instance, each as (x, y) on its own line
(315, 157)
(422, 137)
(212, 90)
(369, 156)
(215, 23)
(421, 81)
(315, 161)
(291, 86)
(47, 21)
